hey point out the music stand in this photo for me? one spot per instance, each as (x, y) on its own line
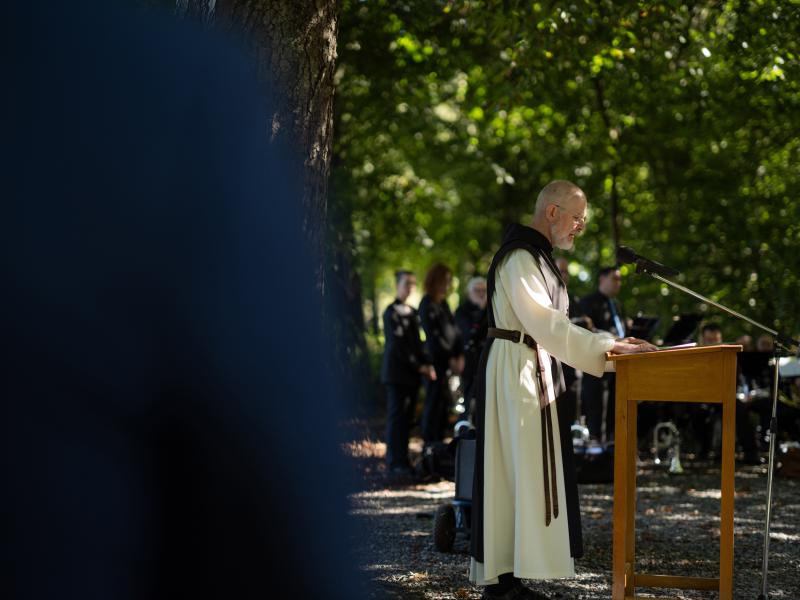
(644, 327)
(682, 329)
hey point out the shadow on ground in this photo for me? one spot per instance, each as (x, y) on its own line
(677, 526)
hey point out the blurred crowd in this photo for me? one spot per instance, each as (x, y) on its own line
(437, 349)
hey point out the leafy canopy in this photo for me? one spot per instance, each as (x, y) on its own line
(451, 115)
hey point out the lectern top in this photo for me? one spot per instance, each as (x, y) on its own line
(677, 352)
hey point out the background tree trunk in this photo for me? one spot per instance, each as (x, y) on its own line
(202, 10)
(294, 44)
(616, 217)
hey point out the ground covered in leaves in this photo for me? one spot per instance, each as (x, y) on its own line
(677, 525)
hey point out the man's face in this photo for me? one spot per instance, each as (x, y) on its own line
(478, 294)
(568, 221)
(610, 284)
(405, 286)
(711, 337)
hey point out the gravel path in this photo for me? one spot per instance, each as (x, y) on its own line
(677, 526)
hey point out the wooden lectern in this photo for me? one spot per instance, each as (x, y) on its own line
(700, 374)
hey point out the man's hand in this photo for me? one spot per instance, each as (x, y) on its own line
(428, 372)
(630, 345)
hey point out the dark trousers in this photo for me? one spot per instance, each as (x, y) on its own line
(567, 402)
(402, 400)
(592, 404)
(745, 430)
(437, 404)
(707, 428)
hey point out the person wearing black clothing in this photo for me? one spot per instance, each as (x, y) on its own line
(569, 403)
(605, 311)
(525, 510)
(576, 315)
(164, 435)
(404, 360)
(473, 326)
(445, 347)
(752, 390)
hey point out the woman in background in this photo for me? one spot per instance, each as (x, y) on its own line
(444, 345)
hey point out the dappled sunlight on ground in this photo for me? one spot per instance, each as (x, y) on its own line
(677, 533)
(365, 449)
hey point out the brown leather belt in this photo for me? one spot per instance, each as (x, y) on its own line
(512, 336)
(548, 445)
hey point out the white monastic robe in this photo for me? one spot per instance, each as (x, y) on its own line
(515, 536)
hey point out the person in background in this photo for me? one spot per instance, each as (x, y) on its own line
(444, 346)
(576, 315)
(568, 404)
(472, 325)
(761, 386)
(404, 361)
(705, 418)
(765, 343)
(746, 342)
(749, 401)
(605, 311)
(169, 414)
(710, 334)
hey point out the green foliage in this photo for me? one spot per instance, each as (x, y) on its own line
(451, 115)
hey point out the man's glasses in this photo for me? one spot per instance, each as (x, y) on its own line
(575, 218)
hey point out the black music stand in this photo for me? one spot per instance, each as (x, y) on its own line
(682, 329)
(644, 327)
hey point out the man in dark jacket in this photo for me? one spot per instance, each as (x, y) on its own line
(404, 360)
(605, 312)
(569, 403)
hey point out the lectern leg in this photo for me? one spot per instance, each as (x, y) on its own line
(727, 487)
(630, 496)
(620, 534)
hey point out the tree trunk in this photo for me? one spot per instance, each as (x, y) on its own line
(616, 217)
(202, 10)
(343, 300)
(294, 44)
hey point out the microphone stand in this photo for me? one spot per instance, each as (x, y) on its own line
(781, 342)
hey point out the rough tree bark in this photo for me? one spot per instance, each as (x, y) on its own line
(202, 10)
(294, 44)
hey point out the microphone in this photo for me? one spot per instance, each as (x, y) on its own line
(643, 264)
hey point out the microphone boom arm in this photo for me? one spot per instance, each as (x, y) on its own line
(782, 340)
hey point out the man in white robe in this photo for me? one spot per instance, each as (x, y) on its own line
(520, 528)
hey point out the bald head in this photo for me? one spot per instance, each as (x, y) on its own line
(559, 192)
(560, 213)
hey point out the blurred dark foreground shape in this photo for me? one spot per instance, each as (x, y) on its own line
(168, 426)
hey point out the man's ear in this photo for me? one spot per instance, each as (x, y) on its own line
(550, 212)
